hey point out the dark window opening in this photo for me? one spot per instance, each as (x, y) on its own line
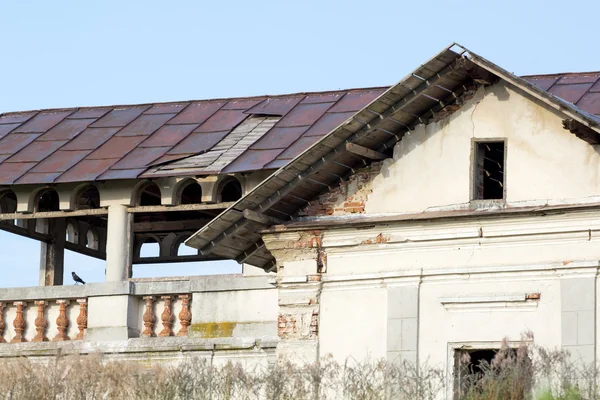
(232, 191)
(191, 194)
(48, 201)
(150, 195)
(8, 202)
(489, 171)
(476, 371)
(89, 198)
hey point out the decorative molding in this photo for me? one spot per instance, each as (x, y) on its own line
(62, 322)
(493, 302)
(82, 319)
(185, 316)
(167, 317)
(149, 318)
(19, 323)
(40, 322)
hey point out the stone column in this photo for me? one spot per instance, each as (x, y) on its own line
(118, 243)
(52, 255)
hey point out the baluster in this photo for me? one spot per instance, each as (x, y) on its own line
(82, 318)
(19, 323)
(62, 321)
(149, 318)
(2, 323)
(167, 318)
(40, 322)
(185, 316)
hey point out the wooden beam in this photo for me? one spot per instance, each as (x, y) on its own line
(5, 226)
(365, 151)
(170, 226)
(174, 259)
(182, 207)
(249, 252)
(261, 218)
(53, 214)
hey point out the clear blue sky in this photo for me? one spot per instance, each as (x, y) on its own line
(78, 53)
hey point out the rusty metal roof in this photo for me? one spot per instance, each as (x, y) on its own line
(325, 161)
(126, 142)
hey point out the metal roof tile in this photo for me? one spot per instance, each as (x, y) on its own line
(35, 177)
(171, 157)
(121, 174)
(252, 160)
(304, 114)
(169, 135)
(86, 170)
(570, 93)
(43, 121)
(197, 142)
(37, 151)
(354, 101)
(10, 172)
(543, 82)
(279, 138)
(198, 112)
(14, 142)
(327, 123)
(90, 139)
(119, 117)
(60, 161)
(570, 79)
(140, 157)
(145, 125)
(323, 97)
(242, 104)
(16, 117)
(116, 147)
(6, 128)
(222, 120)
(275, 106)
(167, 108)
(67, 129)
(298, 147)
(590, 102)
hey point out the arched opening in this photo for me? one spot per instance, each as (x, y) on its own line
(88, 198)
(91, 239)
(180, 249)
(231, 190)
(72, 233)
(150, 248)
(149, 195)
(47, 200)
(191, 193)
(8, 202)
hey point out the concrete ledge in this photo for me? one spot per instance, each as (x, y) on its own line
(221, 283)
(65, 292)
(161, 287)
(137, 345)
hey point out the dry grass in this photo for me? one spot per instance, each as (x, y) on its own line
(528, 373)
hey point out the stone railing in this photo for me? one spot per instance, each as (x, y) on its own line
(229, 317)
(43, 320)
(174, 319)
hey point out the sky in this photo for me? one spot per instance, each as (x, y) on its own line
(84, 53)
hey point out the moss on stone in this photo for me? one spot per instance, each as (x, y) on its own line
(214, 329)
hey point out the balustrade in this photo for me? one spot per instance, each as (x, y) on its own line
(173, 315)
(34, 321)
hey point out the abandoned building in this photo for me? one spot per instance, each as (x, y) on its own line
(412, 222)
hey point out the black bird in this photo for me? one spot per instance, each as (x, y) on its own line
(77, 279)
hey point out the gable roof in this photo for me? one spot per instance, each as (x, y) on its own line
(122, 142)
(235, 233)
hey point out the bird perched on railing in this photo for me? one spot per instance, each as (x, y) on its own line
(77, 279)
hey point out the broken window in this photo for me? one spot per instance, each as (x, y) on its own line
(488, 174)
(481, 371)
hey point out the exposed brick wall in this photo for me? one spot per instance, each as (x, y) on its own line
(347, 198)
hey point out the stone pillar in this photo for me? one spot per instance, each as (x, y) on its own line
(300, 263)
(578, 317)
(52, 255)
(118, 243)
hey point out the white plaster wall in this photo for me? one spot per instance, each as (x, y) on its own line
(352, 323)
(484, 322)
(431, 166)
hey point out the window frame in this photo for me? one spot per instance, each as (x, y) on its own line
(475, 142)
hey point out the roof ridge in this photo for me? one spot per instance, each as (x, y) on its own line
(265, 96)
